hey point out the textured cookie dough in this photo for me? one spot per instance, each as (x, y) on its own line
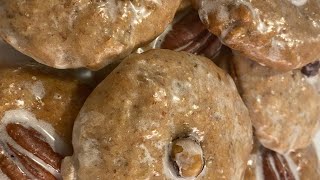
(127, 125)
(38, 106)
(284, 107)
(267, 164)
(72, 34)
(282, 34)
(49, 95)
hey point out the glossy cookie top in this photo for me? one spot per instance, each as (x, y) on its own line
(269, 165)
(284, 106)
(72, 34)
(282, 34)
(153, 110)
(38, 106)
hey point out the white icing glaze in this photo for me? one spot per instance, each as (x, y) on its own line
(314, 81)
(3, 176)
(259, 166)
(273, 166)
(139, 13)
(37, 89)
(112, 12)
(316, 142)
(90, 159)
(147, 158)
(142, 72)
(292, 165)
(298, 2)
(197, 134)
(156, 43)
(27, 119)
(90, 155)
(285, 37)
(153, 134)
(20, 103)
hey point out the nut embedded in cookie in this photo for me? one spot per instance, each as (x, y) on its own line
(280, 34)
(136, 122)
(187, 33)
(267, 164)
(29, 147)
(187, 157)
(38, 106)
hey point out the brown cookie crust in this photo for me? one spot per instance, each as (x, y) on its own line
(38, 106)
(282, 34)
(61, 97)
(72, 34)
(284, 107)
(127, 124)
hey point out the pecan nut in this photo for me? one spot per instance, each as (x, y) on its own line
(275, 165)
(26, 153)
(311, 69)
(189, 34)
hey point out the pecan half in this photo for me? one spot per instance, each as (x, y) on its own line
(275, 165)
(25, 154)
(8, 167)
(190, 34)
(311, 69)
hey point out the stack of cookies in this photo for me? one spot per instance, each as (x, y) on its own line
(159, 89)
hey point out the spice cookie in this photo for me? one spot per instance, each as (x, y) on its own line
(38, 106)
(162, 115)
(284, 106)
(282, 34)
(73, 34)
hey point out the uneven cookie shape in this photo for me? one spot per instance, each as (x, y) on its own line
(153, 107)
(267, 164)
(38, 106)
(72, 34)
(282, 34)
(284, 107)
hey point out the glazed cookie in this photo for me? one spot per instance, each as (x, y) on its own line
(162, 115)
(267, 164)
(37, 109)
(284, 107)
(282, 34)
(72, 34)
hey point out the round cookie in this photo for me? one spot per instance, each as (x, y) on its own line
(267, 164)
(157, 114)
(92, 34)
(284, 106)
(38, 106)
(282, 34)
